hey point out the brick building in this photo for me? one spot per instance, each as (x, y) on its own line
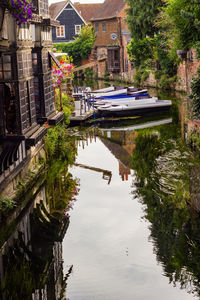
(26, 90)
(112, 36)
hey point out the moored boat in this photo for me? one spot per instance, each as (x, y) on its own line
(137, 107)
(124, 100)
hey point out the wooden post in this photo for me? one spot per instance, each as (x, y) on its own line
(60, 96)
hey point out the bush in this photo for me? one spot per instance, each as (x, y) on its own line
(81, 47)
(140, 50)
(166, 82)
(195, 95)
(6, 203)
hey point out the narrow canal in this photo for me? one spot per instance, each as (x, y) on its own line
(117, 242)
(133, 228)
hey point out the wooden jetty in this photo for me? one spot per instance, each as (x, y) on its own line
(83, 111)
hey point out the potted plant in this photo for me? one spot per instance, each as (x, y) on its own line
(21, 10)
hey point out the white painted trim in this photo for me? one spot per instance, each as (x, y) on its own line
(60, 36)
(76, 29)
(69, 2)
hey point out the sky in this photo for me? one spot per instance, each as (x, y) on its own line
(81, 1)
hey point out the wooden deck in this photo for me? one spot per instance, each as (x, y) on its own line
(83, 67)
(82, 112)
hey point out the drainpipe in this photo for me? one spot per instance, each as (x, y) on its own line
(121, 41)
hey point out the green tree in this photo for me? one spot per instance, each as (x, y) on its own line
(81, 47)
(141, 16)
(182, 20)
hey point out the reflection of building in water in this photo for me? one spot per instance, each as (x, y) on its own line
(31, 265)
(124, 172)
(121, 144)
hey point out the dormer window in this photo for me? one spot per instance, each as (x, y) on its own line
(60, 31)
(77, 29)
(5, 67)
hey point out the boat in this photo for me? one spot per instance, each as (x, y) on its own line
(134, 107)
(106, 94)
(123, 100)
(105, 90)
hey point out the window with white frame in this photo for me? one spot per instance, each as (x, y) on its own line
(77, 29)
(60, 31)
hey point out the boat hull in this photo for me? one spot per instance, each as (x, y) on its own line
(134, 111)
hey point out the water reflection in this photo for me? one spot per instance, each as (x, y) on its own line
(164, 170)
(138, 168)
(108, 245)
(31, 263)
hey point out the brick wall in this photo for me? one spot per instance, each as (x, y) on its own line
(187, 70)
(104, 39)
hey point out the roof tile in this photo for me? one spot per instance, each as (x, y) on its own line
(109, 9)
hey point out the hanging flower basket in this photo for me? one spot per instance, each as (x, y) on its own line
(21, 10)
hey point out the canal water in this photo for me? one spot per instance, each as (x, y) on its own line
(132, 230)
(111, 243)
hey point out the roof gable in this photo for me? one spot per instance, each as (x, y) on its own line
(109, 9)
(56, 9)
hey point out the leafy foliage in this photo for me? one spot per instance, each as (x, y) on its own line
(195, 95)
(141, 15)
(81, 47)
(181, 18)
(6, 203)
(140, 50)
(162, 185)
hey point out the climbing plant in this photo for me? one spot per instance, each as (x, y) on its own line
(195, 95)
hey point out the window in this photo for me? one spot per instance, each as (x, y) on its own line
(5, 67)
(104, 27)
(113, 59)
(60, 31)
(126, 65)
(25, 32)
(33, 32)
(77, 29)
(37, 95)
(35, 62)
(96, 27)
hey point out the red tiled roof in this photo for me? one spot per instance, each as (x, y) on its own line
(109, 9)
(55, 8)
(86, 10)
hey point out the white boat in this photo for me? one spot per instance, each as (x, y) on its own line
(105, 90)
(125, 100)
(135, 107)
(112, 93)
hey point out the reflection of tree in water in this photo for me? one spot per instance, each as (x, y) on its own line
(162, 167)
(31, 266)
